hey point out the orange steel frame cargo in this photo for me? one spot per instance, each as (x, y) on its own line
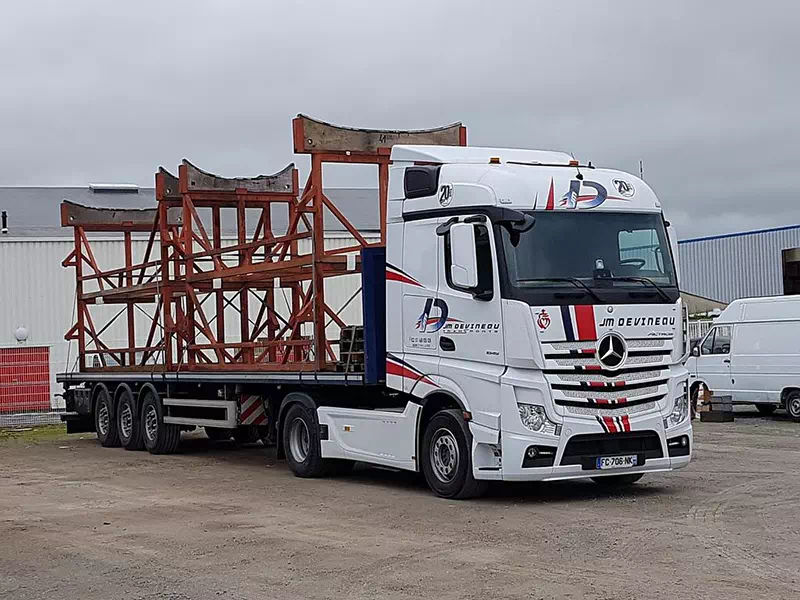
(193, 266)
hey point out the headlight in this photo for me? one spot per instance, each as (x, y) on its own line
(535, 418)
(680, 410)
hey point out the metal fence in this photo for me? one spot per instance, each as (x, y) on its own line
(26, 395)
(698, 329)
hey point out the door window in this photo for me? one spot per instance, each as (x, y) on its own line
(708, 343)
(722, 340)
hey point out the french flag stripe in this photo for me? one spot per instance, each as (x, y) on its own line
(584, 315)
(569, 332)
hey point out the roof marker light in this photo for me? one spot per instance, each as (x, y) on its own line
(573, 163)
(494, 160)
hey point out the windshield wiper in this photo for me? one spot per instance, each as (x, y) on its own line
(573, 280)
(645, 281)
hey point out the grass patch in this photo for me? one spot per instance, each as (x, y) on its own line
(40, 433)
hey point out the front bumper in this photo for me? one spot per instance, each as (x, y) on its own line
(574, 463)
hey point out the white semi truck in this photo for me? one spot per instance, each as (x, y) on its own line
(527, 324)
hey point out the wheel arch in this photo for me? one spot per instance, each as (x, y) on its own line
(432, 404)
(122, 388)
(147, 387)
(785, 392)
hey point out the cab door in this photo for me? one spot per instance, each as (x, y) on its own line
(714, 362)
(470, 344)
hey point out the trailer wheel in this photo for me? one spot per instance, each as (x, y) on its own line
(301, 442)
(246, 434)
(617, 481)
(128, 421)
(446, 457)
(766, 409)
(158, 437)
(218, 434)
(793, 404)
(105, 422)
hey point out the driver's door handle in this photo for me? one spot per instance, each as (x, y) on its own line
(727, 361)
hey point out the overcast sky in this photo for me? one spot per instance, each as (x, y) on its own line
(705, 93)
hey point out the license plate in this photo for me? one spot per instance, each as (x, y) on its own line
(617, 462)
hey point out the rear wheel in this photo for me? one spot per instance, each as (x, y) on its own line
(158, 437)
(793, 405)
(105, 422)
(446, 451)
(617, 481)
(766, 409)
(128, 422)
(301, 442)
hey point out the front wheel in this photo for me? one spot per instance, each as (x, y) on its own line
(446, 457)
(617, 481)
(766, 409)
(793, 405)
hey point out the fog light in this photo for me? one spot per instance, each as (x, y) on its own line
(678, 446)
(532, 452)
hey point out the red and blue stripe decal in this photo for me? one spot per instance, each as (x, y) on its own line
(395, 274)
(396, 366)
(582, 327)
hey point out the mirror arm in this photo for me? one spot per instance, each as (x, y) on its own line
(444, 228)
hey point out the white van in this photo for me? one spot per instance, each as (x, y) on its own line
(752, 353)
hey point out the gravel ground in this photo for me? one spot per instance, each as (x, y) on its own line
(78, 520)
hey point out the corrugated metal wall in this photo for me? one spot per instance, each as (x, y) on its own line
(38, 293)
(738, 266)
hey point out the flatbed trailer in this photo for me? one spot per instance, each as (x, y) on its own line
(484, 349)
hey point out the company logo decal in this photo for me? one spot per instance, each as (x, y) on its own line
(638, 322)
(428, 324)
(624, 188)
(611, 351)
(543, 320)
(577, 197)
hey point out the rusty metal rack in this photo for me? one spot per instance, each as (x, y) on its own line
(170, 304)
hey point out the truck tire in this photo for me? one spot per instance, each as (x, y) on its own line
(301, 442)
(218, 434)
(105, 422)
(128, 421)
(246, 434)
(158, 437)
(617, 481)
(446, 457)
(793, 405)
(766, 409)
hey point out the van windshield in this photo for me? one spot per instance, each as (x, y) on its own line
(600, 257)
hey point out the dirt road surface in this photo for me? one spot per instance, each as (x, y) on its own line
(81, 521)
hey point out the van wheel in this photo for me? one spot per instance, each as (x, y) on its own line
(446, 457)
(617, 481)
(218, 434)
(246, 434)
(105, 422)
(128, 422)
(793, 405)
(693, 398)
(158, 437)
(766, 409)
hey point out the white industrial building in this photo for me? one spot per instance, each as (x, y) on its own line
(765, 262)
(37, 294)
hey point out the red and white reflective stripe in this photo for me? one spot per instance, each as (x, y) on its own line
(251, 411)
(615, 424)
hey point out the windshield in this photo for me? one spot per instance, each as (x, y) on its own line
(600, 257)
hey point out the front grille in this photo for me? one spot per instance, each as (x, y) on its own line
(585, 449)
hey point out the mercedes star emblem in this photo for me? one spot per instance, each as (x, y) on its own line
(611, 351)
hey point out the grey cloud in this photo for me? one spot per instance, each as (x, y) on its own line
(703, 93)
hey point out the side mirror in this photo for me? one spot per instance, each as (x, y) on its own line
(464, 259)
(673, 244)
(696, 351)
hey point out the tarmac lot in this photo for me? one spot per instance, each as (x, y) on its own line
(78, 520)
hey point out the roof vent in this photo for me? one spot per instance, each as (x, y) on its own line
(114, 188)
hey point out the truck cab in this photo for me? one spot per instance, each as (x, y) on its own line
(541, 297)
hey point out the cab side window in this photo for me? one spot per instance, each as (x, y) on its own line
(722, 340)
(708, 343)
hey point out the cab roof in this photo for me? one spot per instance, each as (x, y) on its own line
(473, 155)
